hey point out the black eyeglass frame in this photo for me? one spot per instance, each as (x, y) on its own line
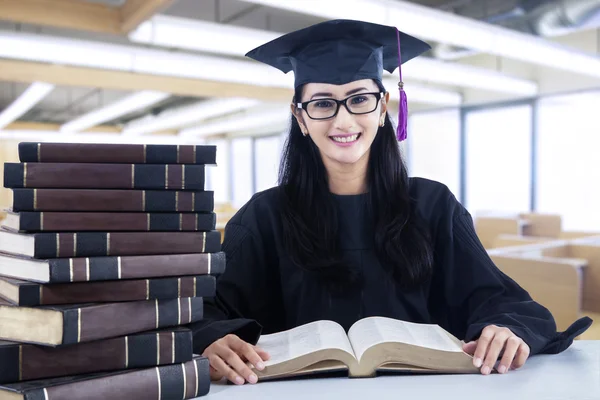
(304, 105)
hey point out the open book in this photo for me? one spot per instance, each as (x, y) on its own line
(372, 345)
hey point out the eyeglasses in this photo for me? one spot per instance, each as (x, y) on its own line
(362, 103)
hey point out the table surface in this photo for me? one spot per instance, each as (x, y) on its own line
(573, 374)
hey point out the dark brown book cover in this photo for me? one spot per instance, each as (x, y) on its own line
(30, 294)
(57, 221)
(104, 176)
(117, 153)
(24, 362)
(112, 200)
(79, 323)
(95, 244)
(166, 382)
(97, 269)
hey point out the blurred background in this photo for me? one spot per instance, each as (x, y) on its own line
(503, 109)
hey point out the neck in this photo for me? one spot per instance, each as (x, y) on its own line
(347, 179)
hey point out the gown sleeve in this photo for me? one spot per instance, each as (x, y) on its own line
(471, 292)
(245, 291)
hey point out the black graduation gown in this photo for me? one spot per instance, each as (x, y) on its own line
(261, 292)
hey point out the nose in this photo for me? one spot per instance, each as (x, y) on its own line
(343, 120)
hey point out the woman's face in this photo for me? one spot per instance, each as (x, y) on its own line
(345, 138)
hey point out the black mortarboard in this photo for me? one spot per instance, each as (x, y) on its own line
(342, 51)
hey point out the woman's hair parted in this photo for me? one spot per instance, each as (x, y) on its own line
(310, 223)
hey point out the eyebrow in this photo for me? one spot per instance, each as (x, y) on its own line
(326, 94)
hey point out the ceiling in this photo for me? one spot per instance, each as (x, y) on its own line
(66, 103)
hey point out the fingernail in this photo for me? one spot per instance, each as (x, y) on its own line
(485, 370)
(253, 378)
(502, 369)
(260, 366)
(239, 380)
(477, 362)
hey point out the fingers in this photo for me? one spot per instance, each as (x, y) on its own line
(522, 356)
(494, 349)
(248, 351)
(228, 358)
(262, 353)
(484, 341)
(221, 366)
(510, 350)
(470, 347)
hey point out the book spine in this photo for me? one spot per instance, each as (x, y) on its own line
(169, 382)
(104, 176)
(104, 321)
(40, 221)
(132, 267)
(23, 362)
(120, 154)
(33, 294)
(98, 244)
(74, 200)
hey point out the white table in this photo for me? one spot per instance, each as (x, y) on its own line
(573, 374)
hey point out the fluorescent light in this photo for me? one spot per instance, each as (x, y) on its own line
(25, 102)
(96, 137)
(430, 24)
(183, 33)
(157, 62)
(265, 115)
(422, 94)
(447, 73)
(134, 102)
(187, 115)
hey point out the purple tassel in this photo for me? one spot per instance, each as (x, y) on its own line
(401, 133)
(402, 117)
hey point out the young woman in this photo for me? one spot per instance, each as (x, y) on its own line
(347, 234)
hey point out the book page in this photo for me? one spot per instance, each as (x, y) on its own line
(305, 339)
(374, 330)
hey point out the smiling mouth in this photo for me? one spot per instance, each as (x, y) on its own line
(345, 139)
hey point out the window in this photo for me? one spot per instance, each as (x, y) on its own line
(267, 153)
(433, 147)
(498, 159)
(567, 160)
(217, 177)
(242, 184)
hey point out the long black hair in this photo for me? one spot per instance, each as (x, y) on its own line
(310, 222)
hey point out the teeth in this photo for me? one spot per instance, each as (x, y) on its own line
(345, 139)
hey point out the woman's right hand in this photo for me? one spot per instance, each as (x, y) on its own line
(228, 358)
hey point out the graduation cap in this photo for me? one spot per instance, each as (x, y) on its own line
(342, 51)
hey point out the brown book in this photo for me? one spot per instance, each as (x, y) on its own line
(63, 270)
(372, 345)
(99, 244)
(25, 362)
(57, 221)
(104, 176)
(112, 200)
(117, 153)
(30, 294)
(79, 323)
(167, 382)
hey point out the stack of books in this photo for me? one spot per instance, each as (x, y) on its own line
(106, 254)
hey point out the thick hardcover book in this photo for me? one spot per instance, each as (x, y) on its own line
(29, 294)
(25, 362)
(104, 176)
(117, 153)
(112, 200)
(58, 221)
(166, 382)
(79, 323)
(97, 244)
(83, 269)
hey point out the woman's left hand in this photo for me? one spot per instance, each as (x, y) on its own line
(494, 342)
